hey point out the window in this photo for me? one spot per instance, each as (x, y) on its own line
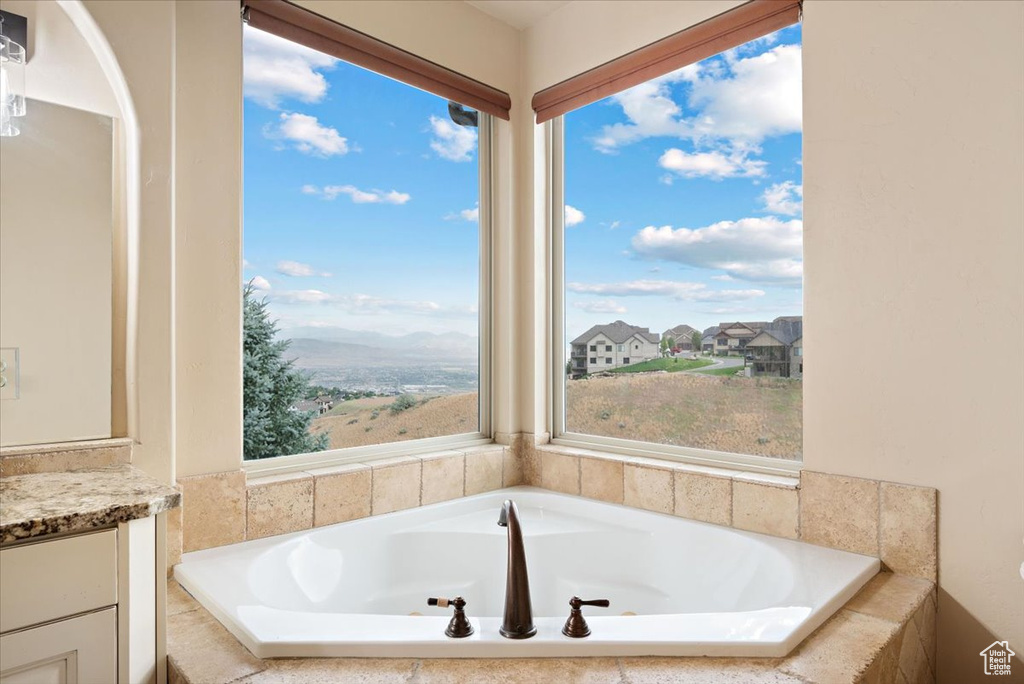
(593, 347)
(608, 348)
(608, 359)
(619, 347)
(364, 231)
(702, 225)
(625, 360)
(593, 360)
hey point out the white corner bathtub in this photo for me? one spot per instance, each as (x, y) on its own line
(677, 587)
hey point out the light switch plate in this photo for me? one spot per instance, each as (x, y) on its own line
(10, 373)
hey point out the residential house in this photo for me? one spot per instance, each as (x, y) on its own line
(707, 340)
(777, 349)
(682, 336)
(732, 338)
(306, 406)
(325, 403)
(614, 345)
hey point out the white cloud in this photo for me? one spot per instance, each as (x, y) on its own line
(573, 216)
(762, 97)
(471, 215)
(742, 99)
(784, 198)
(756, 249)
(713, 165)
(601, 306)
(301, 297)
(724, 277)
(259, 283)
(245, 263)
(451, 141)
(296, 269)
(651, 112)
(308, 135)
(682, 291)
(275, 68)
(330, 192)
(736, 102)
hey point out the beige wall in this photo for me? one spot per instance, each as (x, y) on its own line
(902, 149)
(55, 276)
(913, 175)
(61, 66)
(141, 37)
(207, 222)
(914, 220)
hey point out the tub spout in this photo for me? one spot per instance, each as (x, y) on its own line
(518, 620)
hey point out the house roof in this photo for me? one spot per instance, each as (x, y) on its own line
(681, 330)
(753, 326)
(784, 331)
(617, 332)
(713, 330)
(306, 406)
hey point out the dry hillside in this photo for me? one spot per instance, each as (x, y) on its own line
(760, 416)
(371, 421)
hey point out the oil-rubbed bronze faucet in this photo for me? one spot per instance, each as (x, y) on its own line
(518, 620)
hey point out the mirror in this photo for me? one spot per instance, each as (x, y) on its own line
(56, 231)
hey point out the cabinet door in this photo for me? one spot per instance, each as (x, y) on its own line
(79, 650)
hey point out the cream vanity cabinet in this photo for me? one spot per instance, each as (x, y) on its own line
(83, 608)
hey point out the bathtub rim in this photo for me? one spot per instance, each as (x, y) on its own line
(486, 643)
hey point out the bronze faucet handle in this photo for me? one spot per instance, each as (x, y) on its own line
(577, 602)
(576, 626)
(459, 626)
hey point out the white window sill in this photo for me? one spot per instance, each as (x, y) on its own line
(783, 481)
(367, 455)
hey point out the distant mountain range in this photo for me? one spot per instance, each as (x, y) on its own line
(341, 348)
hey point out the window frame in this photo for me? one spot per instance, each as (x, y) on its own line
(554, 135)
(484, 432)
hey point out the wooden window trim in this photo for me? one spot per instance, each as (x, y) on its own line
(304, 27)
(717, 34)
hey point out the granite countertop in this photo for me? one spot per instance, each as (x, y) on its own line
(76, 500)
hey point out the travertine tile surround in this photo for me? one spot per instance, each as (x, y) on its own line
(896, 523)
(884, 635)
(55, 458)
(893, 522)
(224, 508)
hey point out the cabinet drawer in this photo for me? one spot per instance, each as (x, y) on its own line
(53, 579)
(82, 649)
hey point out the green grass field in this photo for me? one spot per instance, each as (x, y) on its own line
(670, 365)
(731, 370)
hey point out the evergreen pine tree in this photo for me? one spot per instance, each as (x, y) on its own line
(270, 385)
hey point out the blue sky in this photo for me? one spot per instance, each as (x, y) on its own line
(360, 197)
(684, 196)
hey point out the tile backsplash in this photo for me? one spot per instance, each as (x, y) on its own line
(894, 522)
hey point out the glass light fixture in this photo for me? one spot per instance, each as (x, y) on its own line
(12, 84)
